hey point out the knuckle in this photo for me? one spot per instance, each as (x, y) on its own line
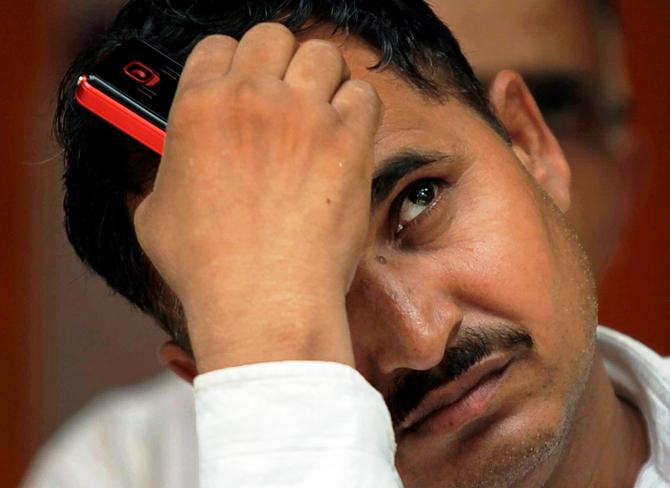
(230, 99)
(363, 95)
(274, 30)
(206, 47)
(190, 100)
(190, 106)
(213, 41)
(245, 92)
(323, 51)
(253, 101)
(365, 90)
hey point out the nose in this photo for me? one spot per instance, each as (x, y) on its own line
(401, 315)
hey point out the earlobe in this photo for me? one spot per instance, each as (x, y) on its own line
(178, 361)
(532, 141)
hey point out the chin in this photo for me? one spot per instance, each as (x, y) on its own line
(511, 449)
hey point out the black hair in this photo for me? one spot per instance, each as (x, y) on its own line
(105, 170)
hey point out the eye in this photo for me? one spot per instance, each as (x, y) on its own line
(418, 197)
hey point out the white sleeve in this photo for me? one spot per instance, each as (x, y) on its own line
(82, 454)
(134, 437)
(294, 424)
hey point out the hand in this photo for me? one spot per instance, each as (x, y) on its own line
(260, 208)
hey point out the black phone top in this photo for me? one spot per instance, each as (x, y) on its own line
(139, 77)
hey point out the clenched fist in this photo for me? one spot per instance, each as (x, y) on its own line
(260, 208)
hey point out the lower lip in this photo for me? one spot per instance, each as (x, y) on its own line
(456, 415)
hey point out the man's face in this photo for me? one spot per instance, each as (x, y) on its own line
(572, 62)
(467, 246)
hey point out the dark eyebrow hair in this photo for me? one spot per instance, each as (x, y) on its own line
(396, 166)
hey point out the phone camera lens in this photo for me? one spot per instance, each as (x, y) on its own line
(141, 73)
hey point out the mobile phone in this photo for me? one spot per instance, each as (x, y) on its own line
(132, 88)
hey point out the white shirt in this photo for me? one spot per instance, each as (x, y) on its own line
(322, 419)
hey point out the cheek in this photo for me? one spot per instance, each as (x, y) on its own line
(509, 255)
(499, 246)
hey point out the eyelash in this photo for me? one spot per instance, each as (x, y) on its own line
(396, 206)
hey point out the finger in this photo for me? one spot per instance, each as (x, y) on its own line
(317, 69)
(209, 59)
(266, 48)
(359, 106)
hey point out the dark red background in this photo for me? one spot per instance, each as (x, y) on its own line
(635, 297)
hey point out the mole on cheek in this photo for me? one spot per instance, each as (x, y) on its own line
(381, 259)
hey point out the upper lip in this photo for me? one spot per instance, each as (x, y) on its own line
(456, 389)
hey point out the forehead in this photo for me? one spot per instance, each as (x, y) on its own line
(411, 119)
(528, 35)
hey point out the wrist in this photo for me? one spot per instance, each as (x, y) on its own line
(263, 331)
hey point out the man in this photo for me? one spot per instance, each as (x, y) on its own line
(463, 296)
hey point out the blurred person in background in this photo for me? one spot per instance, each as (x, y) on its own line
(569, 52)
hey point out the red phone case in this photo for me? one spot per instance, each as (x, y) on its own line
(119, 116)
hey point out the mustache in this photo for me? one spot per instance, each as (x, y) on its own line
(471, 346)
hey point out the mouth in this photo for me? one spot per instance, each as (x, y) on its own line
(450, 407)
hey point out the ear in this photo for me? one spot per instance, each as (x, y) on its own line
(532, 141)
(178, 361)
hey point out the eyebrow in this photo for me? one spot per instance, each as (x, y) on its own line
(397, 166)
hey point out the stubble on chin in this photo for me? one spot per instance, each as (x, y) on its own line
(509, 465)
